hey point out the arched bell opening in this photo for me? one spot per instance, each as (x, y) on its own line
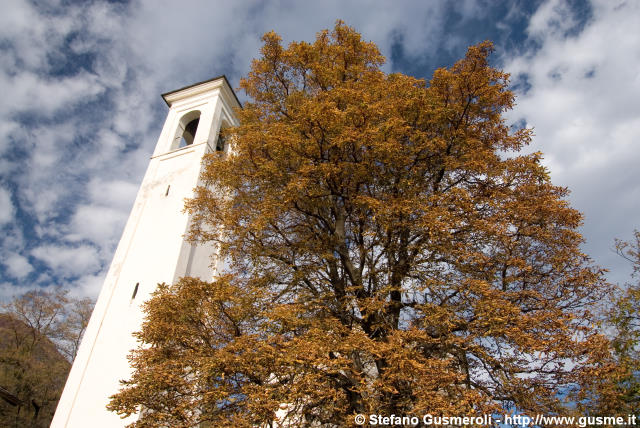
(220, 142)
(186, 131)
(222, 139)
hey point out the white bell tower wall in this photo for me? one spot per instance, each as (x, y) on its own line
(152, 250)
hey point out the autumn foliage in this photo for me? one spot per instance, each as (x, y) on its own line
(387, 249)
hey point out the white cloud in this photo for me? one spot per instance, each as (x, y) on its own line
(45, 96)
(99, 224)
(32, 34)
(6, 207)
(17, 266)
(88, 285)
(46, 180)
(552, 19)
(114, 194)
(583, 104)
(68, 261)
(10, 290)
(9, 130)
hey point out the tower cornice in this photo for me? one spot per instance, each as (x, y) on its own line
(188, 91)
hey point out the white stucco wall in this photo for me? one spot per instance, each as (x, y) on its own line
(152, 250)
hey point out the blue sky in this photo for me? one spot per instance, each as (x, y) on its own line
(81, 107)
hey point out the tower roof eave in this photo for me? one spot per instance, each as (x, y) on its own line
(172, 96)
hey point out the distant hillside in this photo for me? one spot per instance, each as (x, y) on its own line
(32, 375)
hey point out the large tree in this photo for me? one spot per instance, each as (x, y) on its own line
(386, 249)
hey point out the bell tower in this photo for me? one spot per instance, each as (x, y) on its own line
(152, 250)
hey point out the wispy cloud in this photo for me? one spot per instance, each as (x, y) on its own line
(582, 103)
(6, 207)
(67, 261)
(18, 266)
